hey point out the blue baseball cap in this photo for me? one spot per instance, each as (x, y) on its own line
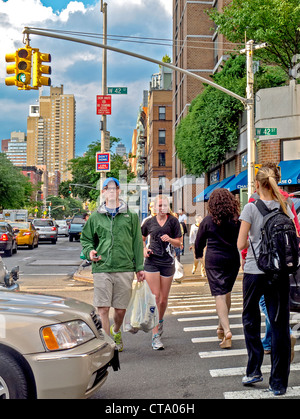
(110, 179)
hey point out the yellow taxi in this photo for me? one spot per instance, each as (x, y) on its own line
(26, 234)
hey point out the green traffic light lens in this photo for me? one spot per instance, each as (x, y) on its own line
(21, 77)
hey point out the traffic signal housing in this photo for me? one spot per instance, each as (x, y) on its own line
(21, 68)
(39, 69)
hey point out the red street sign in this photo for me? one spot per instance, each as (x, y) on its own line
(103, 162)
(103, 104)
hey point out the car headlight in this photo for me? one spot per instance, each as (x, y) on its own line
(66, 335)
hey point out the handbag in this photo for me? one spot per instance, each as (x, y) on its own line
(142, 312)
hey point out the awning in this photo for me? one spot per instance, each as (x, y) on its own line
(239, 182)
(221, 184)
(203, 195)
(290, 172)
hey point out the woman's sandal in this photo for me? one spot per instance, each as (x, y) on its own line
(226, 342)
(220, 333)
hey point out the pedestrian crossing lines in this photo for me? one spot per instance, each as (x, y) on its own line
(197, 315)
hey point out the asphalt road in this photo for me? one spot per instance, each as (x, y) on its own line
(191, 368)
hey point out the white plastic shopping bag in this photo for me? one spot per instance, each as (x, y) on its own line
(141, 313)
(179, 271)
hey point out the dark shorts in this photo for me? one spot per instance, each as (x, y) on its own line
(166, 270)
(220, 281)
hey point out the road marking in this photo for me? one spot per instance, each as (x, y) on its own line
(175, 313)
(229, 352)
(230, 372)
(203, 318)
(215, 339)
(261, 394)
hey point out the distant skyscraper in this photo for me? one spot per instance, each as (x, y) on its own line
(17, 149)
(121, 149)
(51, 133)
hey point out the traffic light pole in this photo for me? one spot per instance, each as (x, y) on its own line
(104, 85)
(247, 102)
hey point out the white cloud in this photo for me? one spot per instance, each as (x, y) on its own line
(78, 67)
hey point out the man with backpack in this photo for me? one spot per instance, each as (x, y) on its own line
(274, 285)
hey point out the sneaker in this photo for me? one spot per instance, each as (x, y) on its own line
(277, 392)
(117, 338)
(157, 344)
(246, 381)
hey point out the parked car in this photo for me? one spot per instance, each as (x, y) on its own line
(27, 234)
(76, 226)
(46, 228)
(8, 241)
(51, 347)
(63, 228)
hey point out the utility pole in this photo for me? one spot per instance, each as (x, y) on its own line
(103, 9)
(250, 47)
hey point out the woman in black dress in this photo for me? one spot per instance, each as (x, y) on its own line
(219, 232)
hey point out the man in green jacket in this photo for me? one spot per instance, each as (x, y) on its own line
(112, 240)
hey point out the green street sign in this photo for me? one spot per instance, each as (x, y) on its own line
(117, 90)
(266, 131)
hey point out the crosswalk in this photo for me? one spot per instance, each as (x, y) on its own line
(197, 316)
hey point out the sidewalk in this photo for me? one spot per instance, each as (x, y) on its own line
(85, 274)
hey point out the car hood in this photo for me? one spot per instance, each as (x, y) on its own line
(43, 305)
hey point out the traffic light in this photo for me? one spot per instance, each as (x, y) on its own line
(38, 79)
(21, 68)
(70, 190)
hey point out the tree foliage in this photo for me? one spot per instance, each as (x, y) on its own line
(15, 188)
(276, 22)
(83, 170)
(210, 128)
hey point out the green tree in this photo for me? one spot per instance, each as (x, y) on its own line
(15, 188)
(273, 21)
(84, 171)
(210, 128)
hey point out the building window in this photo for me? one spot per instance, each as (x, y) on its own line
(162, 113)
(291, 150)
(162, 159)
(162, 137)
(162, 182)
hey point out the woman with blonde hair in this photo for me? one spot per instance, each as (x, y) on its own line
(256, 283)
(163, 232)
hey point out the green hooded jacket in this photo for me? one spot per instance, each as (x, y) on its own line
(118, 240)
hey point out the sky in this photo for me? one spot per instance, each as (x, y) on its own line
(79, 67)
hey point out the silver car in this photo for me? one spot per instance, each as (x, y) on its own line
(63, 228)
(51, 347)
(46, 228)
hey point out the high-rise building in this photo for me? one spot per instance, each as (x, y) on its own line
(51, 134)
(121, 149)
(16, 148)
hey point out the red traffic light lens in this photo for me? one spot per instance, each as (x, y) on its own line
(23, 53)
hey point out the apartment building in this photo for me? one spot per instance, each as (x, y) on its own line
(17, 148)
(200, 49)
(51, 134)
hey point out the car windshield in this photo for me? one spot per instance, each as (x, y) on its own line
(61, 222)
(20, 225)
(43, 223)
(78, 221)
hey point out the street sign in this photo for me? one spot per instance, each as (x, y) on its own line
(103, 105)
(266, 131)
(103, 162)
(117, 90)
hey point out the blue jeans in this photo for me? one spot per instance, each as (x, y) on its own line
(266, 340)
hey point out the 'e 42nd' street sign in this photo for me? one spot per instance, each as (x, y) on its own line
(266, 131)
(117, 90)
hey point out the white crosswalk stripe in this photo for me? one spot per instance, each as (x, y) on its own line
(202, 309)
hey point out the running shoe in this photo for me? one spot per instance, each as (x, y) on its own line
(117, 338)
(246, 381)
(157, 344)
